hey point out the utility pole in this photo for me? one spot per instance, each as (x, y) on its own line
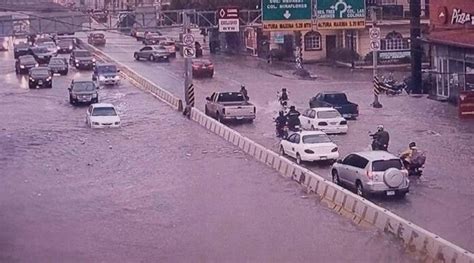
(376, 103)
(416, 49)
(188, 72)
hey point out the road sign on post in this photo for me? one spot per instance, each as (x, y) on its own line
(374, 35)
(228, 19)
(286, 15)
(340, 14)
(189, 52)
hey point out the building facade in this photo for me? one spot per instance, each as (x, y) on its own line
(452, 40)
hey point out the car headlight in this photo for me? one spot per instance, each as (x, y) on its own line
(58, 48)
(21, 66)
(32, 79)
(70, 47)
(36, 65)
(93, 59)
(48, 78)
(77, 60)
(101, 78)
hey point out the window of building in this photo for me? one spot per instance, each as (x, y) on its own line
(351, 39)
(395, 41)
(312, 41)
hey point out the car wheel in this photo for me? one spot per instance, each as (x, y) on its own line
(31, 86)
(335, 177)
(312, 127)
(136, 56)
(360, 189)
(298, 159)
(151, 58)
(282, 151)
(71, 101)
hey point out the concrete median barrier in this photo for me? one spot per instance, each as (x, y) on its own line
(426, 246)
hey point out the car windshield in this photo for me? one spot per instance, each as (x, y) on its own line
(83, 54)
(315, 138)
(40, 50)
(57, 61)
(39, 72)
(328, 114)
(98, 35)
(107, 69)
(104, 111)
(27, 60)
(383, 165)
(231, 97)
(338, 98)
(48, 45)
(83, 86)
(65, 42)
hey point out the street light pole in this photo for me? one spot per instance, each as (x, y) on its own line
(416, 49)
(376, 103)
(188, 73)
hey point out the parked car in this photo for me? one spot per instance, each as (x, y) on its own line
(40, 77)
(152, 53)
(153, 39)
(170, 45)
(23, 64)
(83, 91)
(65, 45)
(328, 120)
(372, 172)
(82, 59)
(202, 68)
(106, 74)
(96, 39)
(4, 43)
(337, 100)
(58, 65)
(21, 49)
(102, 115)
(229, 106)
(42, 54)
(309, 146)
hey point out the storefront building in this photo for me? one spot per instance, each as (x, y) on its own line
(452, 40)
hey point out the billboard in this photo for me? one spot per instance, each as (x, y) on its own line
(340, 14)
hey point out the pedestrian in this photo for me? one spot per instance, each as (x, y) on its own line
(243, 90)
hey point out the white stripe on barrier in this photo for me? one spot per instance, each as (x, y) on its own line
(313, 183)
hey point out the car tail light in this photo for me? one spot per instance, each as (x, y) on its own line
(343, 122)
(195, 67)
(322, 123)
(308, 151)
(369, 175)
(334, 150)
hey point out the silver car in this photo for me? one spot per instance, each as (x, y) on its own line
(372, 172)
(152, 53)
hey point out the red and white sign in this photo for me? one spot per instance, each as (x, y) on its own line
(228, 19)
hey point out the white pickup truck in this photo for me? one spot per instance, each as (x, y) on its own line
(229, 106)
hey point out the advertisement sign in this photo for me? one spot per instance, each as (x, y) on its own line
(286, 15)
(340, 14)
(394, 56)
(228, 19)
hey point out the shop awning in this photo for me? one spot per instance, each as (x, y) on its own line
(458, 38)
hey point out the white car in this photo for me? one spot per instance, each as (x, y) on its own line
(309, 146)
(102, 115)
(328, 120)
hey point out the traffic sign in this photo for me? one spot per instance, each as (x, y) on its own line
(188, 39)
(374, 33)
(228, 19)
(283, 15)
(375, 44)
(340, 14)
(228, 12)
(189, 52)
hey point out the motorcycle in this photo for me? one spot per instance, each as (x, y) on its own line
(393, 87)
(283, 103)
(281, 132)
(376, 145)
(416, 165)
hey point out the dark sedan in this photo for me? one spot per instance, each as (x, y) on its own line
(40, 77)
(82, 59)
(42, 54)
(23, 64)
(21, 49)
(203, 68)
(58, 65)
(65, 45)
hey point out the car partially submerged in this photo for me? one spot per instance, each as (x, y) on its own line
(102, 115)
(309, 146)
(96, 39)
(40, 77)
(58, 65)
(106, 74)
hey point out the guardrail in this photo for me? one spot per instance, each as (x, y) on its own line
(426, 246)
(141, 82)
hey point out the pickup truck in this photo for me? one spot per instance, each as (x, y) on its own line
(229, 106)
(336, 100)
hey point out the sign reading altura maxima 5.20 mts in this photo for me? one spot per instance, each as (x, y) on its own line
(340, 14)
(282, 15)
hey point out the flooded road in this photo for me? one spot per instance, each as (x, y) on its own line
(159, 189)
(441, 201)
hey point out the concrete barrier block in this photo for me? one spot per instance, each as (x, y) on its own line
(340, 198)
(236, 139)
(330, 193)
(271, 156)
(283, 167)
(263, 155)
(241, 143)
(258, 152)
(360, 209)
(296, 173)
(227, 134)
(252, 148)
(371, 215)
(322, 188)
(350, 203)
(313, 183)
